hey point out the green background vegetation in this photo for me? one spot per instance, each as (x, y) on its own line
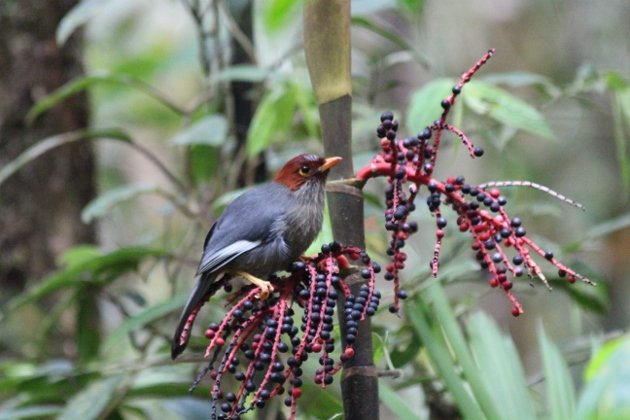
(552, 107)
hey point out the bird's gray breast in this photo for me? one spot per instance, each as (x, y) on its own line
(304, 218)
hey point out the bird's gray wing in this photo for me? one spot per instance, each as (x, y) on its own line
(244, 225)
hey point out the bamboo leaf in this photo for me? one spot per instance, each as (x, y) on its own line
(413, 6)
(503, 375)
(395, 403)
(605, 393)
(30, 412)
(82, 83)
(594, 299)
(441, 360)
(424, 106)
(446, 318)
(145, 317)
(277, 13)
(211, 131)
(500, 105)
(558, 383)
(273, 115)
(100, 269)
(99, 206)
(76, 17)
(90, 402)
(609, 226)
(523, 78)
(382, 31)
(621, 130)
(71, 88)
(50, 143)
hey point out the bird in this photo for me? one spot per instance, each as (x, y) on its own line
(262, 231)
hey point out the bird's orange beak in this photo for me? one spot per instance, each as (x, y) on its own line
(329, 163)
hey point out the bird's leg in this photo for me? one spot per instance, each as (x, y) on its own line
(265, 287)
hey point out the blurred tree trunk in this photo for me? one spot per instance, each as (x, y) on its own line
(40, 205)
(244, 92)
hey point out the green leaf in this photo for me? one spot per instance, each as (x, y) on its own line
(33, 411)
(599, 360)
(81, 83)
(55, 141)
(594, 299)
(445, 317)
(146, 316)
(395, 403)
(102, 204)
(615, 81)
(274, 115)
(93, 400)
(76, 17)
(500, 105)
(621, 130)
(412, 6)
(77, 255)
(391, 36)
(204, 162)
(605, 393)
(211, 131)
(100, 269)
(322, 403)
(425, 107)
(523, 78)
(609, 226)
(71, 88)
(163, 390)
(559, 386)
(441, 359)
(502, 372)
(277, 13)
(407, 351)
(88, 321)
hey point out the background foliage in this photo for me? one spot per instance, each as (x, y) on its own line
(552, 107)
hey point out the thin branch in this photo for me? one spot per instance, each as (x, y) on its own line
(238, 34)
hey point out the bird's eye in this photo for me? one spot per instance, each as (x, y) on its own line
(304, 170)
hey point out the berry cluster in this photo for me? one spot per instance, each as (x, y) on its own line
(259, 344)
(409, 163)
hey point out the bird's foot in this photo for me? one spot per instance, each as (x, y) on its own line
(266, 289)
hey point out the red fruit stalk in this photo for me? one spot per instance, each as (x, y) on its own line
(408, 165)
(260, 336)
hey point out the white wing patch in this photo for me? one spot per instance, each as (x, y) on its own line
(223, 256)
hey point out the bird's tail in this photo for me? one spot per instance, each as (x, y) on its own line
(205, 288)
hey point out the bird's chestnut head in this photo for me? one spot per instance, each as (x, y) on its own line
(305, 169)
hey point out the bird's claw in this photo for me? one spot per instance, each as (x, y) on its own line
(266, 289)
